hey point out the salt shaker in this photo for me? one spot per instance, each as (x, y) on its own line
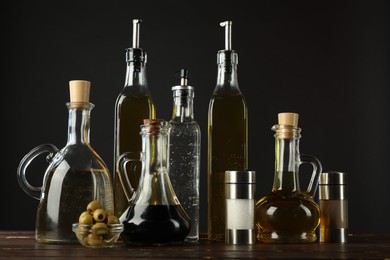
(240, 192)
(333, 204)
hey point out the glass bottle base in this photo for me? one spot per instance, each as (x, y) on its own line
(192, 239)
(281, 237)
(45, 240)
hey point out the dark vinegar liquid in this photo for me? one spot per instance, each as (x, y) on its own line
(156, 225)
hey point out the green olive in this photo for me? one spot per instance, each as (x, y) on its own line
(99, 215)
(95, 240)
(111, 219)
(85, 218)
(81, 235)
(99, 228)
(92, 206)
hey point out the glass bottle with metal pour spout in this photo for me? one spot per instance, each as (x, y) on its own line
(75, 176)
(287, 214)
(155, 215)
(133, 104)
(184, 152)
(227, 135)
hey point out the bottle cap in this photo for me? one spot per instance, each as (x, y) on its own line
(333, 177)
(227, 56)
(79, 92)
(135, 53)
(240, 177)
(288, 118)
(287, 127)
(183, 90)
(240, 184)
(153, 126)
(333, 185)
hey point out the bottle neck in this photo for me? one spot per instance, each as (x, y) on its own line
(227, 80)
(135, 81)
(136, 74)
(79, 123)
(155, 187)
(286, 165)
(182, 109)
(155, 152)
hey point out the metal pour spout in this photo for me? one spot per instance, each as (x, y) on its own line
(136, 25)
(228, 34)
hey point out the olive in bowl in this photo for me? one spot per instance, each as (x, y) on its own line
(97, 235)
(97, 227)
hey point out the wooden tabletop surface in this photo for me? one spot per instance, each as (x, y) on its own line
(22, 244)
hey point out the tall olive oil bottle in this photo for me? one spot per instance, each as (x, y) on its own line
(227, 134)
(133, 105)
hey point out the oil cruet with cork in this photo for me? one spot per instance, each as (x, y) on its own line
(287, 214)
(76, 174)
(155, 215)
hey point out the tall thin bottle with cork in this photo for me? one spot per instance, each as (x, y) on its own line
(133, 104)
(227, 134)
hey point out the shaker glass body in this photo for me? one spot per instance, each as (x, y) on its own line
(227, 139)
(133, 104)
(184, 156)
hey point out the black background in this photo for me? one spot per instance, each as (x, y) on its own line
(326, 60)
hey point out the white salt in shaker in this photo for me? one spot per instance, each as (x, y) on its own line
(240, 189)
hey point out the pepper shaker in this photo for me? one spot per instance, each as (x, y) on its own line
(333, 204)
(240, 192)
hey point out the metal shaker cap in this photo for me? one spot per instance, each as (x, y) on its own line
(240, 176)
(333, 186)
(333, 178)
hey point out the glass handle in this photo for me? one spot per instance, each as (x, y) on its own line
(317, 169)
(122, 161)
(33, 191)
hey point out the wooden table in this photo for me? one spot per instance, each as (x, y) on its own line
(22, 244)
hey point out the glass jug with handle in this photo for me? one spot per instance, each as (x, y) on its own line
(155, 215)
(287, 214)
(76, 175)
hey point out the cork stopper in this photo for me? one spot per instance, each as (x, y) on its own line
(287, 127)
(288, 119)
(153, 126)
(79, 92)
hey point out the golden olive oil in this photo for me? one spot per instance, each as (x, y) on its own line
(130, 113)
(228, 150)
(285, 217)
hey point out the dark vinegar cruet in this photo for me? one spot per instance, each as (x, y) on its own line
(155, 215)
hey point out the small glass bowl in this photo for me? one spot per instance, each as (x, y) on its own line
(95, 236)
